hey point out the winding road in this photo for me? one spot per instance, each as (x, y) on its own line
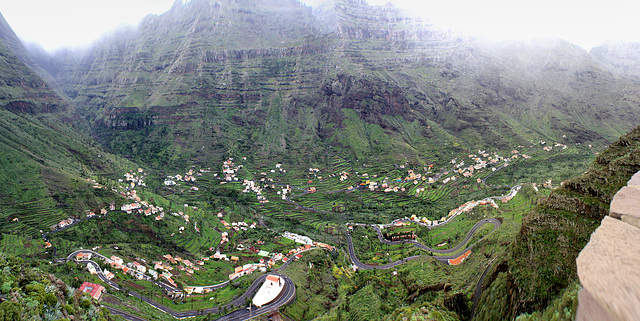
(287, 296)
(442, 258)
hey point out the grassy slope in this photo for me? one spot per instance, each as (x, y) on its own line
(34, 294)
(541, 263)
(44, 161)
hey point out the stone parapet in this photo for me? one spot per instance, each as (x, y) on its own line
(590, 308)
(634, 181)
(609, 265)
(626, 202)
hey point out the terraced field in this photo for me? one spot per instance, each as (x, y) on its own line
(20, 245)
(32, 217)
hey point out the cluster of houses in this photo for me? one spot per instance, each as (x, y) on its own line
(460, 169)
(394, 189)
(422, 220)
(252, 186)
(229, 170)
(103, 212)
(278, 169)
(464, 208)
(133, 179)
(63, 224)
(285, 190)
(269, 259)
(265, 263)
(468, 171)
(186, 266)
(247, 269)
(188, 177)
(182, 215)
(236, 226)
(135, 269)
(142, 207)
(95, 184)
(468, 206)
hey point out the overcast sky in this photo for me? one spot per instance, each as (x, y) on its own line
(74, 23)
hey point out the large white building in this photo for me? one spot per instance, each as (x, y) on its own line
(297, 238)
(269, 290)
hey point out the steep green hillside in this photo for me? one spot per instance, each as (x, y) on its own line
(44, 161)
(33, 294)
(275, 79)
(540, 264)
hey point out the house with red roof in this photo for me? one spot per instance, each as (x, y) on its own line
(94, 290)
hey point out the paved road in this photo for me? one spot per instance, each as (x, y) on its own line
(165, 286)
(125, 315)
(478, 291)
(442, 258)
(417, 244)
(287, 296)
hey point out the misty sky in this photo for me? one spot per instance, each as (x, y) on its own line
(76, 23)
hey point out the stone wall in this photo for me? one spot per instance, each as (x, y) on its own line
(609, 266)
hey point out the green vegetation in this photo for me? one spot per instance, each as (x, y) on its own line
(32, 293)
(541, 262)
(563, 308)
(363, 96)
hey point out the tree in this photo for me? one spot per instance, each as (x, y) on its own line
(10, 311)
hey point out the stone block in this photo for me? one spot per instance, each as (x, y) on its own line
(635, 221)
(589, 308)
(635, 180)
(608, 268)
(626, 202)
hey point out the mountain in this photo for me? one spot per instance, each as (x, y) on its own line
(620, 57)
(278, 78)
(21, 89)
(44, 159)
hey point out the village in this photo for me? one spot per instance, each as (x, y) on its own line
(165, 270)
(459, 169)
(264, 184)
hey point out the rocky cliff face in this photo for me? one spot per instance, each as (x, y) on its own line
(21, 89)
(274, 76)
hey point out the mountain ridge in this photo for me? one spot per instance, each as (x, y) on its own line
(433, 77)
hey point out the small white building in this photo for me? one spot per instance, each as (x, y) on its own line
(91, 269)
